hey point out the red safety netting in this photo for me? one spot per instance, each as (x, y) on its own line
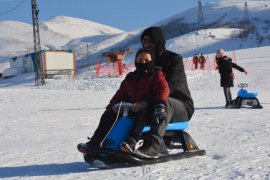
(191, 65)
(113, 69)
(120, 68)
(209, 64)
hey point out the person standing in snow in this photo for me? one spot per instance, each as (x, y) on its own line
(202, 61)
(180, 105)
(147, 89)
(195, 61)
(225, 66)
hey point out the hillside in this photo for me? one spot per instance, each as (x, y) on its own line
(224, 14)
(223, 22)
(16, 38)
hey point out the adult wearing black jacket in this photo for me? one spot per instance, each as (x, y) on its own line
(180, 105)
(225, 66)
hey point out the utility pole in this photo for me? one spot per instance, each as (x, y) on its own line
(39, 71)
(246, 19)
(246, 12)
(200, 16)
(246, 24)
(87, 46)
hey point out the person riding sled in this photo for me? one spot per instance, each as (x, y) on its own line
(147, 89)
(180, 105)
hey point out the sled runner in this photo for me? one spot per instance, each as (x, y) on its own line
(245, 98)
(177, 144)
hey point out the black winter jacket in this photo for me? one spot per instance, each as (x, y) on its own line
(172, 67)
(225, 66)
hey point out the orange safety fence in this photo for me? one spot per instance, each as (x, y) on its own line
(120, 68)
(209, 65)
(113, 69)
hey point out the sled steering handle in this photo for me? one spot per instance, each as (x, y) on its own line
(126, 106)
(242, 85)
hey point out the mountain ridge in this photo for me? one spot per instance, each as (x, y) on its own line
(62, 32)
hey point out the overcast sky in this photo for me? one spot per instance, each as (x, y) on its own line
(126, 15)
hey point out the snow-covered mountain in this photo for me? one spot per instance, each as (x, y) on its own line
(69, 28)
(225, 14)
(16, 38)
(223, 22)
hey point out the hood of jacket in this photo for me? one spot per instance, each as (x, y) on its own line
(157, 35)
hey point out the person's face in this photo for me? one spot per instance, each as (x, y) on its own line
(143, 57)
(148, 42)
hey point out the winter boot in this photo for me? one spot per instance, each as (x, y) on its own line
(128, 146)
(150, 148)
(227, 104)
(94, 143)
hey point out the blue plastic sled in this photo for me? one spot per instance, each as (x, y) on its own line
(246, 99)
(174, 132)
(175, 138)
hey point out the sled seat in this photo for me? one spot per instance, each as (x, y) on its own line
(245, 94)
(172, 126)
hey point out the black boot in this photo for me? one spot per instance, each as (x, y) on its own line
(227, 103)
(94, 143)
(128, 146)
(153, 139)
(150, 147)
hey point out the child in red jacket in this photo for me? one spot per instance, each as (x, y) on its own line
(147, 89)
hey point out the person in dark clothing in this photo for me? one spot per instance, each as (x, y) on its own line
(195, 61)
(202, 61)
(180, 105)
(225, 66)
(147, 89)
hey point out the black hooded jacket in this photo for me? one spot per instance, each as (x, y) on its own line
(225, 66)
(173, 68)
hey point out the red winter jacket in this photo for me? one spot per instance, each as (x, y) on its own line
(152, 88)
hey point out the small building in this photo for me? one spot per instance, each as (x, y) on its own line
(58, 63)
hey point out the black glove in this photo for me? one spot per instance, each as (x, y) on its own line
(160, 113)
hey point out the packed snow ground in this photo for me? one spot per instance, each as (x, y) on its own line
(41, 127)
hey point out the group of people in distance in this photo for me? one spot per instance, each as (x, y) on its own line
(199, 59)
(159, 92)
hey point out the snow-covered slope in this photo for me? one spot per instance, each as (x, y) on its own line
(100, 45)
(208, 41)
(69, 28)
(76, 28)
(16, 38)
(225, 13)
(224, 19)
(223, 22)
(41, 127)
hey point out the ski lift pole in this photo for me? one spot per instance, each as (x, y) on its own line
(39, 71)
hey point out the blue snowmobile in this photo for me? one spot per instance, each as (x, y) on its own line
(177, 144)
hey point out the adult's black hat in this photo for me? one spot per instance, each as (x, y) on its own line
(157, 36)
